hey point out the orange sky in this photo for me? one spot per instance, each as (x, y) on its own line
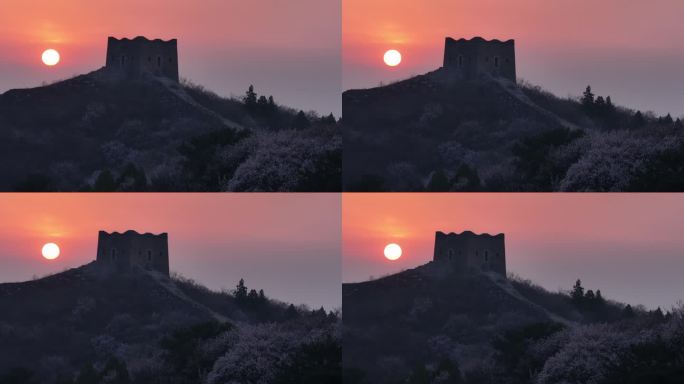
(287, 244)
(290, 49)
(633, 50)
(628, 245)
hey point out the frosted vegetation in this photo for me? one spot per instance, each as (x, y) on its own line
(135, 332)
(421, 135)
(90, 133)
(416, 331)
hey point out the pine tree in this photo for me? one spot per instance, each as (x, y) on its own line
(600, 104)
(638, 120)
(599, 297)
(438, 182)
(588, 99)
(252, 296)
(667, 120)
(105, 182)
(241, 291)
(628, 312)
(250, 98)
(577, 293)
(589, 296)
(679, 124)
(291, 312)
(262, 297)
(87, 375)
(300, 121)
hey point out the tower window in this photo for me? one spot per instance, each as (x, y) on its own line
(123, 60)
(496, 62)
(149, 255)
(113, 254)
(460, 60)
(158, 61)
(486, 256)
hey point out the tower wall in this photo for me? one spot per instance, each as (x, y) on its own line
(122, 251)
(472, 58)
(469, 251)
(138, 56)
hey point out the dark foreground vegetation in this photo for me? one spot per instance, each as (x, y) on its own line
(423, 326)
(83, 327)
(96, 132)
(431, 133)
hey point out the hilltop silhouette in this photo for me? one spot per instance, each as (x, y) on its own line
(130, 322)
(131, 126)
(454, 322)
(471, 125)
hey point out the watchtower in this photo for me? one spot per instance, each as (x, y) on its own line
(473, 58)
(468, 251)
(123, 251)
(139, 56)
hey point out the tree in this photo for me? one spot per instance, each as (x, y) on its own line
(599, 297)
(589, 296)
(117, 372)
(291, 312)
(329, 120)
(600, 104)
(466, 179)
(419, 375)
(679, 124)
(105, 182)
(262, 297)
(658, 315)
(300, 121)
(241, 291)
(638, 120)
(577, 293)
(628, 312)
(588, 99)
(438, 182)
(132, 179)
(87, 375)
(250, 98)
(253, 296)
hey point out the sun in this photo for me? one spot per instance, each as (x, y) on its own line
(50, 251)
(392, 251)
(50, 57)
(392, 58)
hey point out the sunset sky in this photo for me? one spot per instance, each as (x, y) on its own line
(287, 244)
(631, 50)
(290, 49)
(630, 246)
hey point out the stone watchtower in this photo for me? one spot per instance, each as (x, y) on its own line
(472, 58)
(468, 251)
(123, 251)
(139, 56)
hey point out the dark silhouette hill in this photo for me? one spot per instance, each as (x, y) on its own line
(438, 132)
(101, 131)
(432, 324)
(144, 327)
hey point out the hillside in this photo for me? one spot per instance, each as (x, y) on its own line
(434, 132)
(102, 132)
(143, 327)
(430, 324)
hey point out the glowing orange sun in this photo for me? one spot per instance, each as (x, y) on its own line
(50, 57)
